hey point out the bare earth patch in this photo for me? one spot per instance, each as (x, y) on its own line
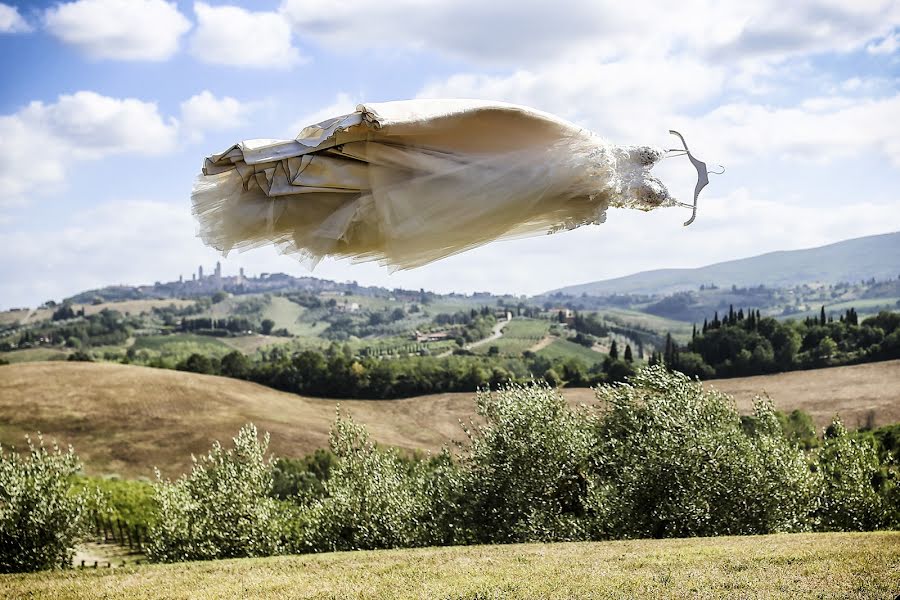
(543, 343)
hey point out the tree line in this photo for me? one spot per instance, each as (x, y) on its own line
(74, 330)
(746, 343)
(337, 372)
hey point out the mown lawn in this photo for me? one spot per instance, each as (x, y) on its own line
(835, 565)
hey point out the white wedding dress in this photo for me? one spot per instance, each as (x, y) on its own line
(406, 183)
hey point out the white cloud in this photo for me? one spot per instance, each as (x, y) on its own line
(532, 31)
(126, 241)
(343, 104)
(230, 35)
(637, 100)
(119, 29)
(42, 141)
(205, 112)
(818, 130)
(11, 21)
(887, 45)
(628, 100)
(778, 29)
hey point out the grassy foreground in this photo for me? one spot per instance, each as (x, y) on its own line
(831, 565)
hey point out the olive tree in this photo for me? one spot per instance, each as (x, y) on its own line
(222, 509)
(374, 498)
(525, 470)
(849, 501)
(672, 460)
(40, 520)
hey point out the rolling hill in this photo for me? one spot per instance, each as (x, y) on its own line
(127, 419)
(851, 260)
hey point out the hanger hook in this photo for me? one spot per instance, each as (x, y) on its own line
(702, 174)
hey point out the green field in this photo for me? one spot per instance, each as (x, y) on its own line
(34, 354)
(506, 346)
(518, 336)
(181, 345)
(680, 330)
(565, 349)
(824, 565)
(286, 314)
(527, 328)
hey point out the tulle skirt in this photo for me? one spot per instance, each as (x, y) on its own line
(408, 183)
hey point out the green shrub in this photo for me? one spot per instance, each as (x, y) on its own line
(672, 460)
(40, 520)
(373, 498)
(222, 509)
(848, 467)
(525, 472)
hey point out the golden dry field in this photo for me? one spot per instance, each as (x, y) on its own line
(126, 419)
(852, 392)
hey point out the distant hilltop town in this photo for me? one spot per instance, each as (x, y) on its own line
(201, 284)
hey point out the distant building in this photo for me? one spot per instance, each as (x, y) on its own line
(200, 273)
(350, 307)
(218, 272)
(433, 336)
(563, 315)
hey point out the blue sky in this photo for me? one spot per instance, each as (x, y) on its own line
(107, 108)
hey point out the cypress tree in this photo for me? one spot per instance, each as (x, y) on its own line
(628, 356)
(614, 351)
(705, 326)
(669, 351)
(822, 319)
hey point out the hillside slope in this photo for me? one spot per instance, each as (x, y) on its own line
(126, 419)
(850, 260)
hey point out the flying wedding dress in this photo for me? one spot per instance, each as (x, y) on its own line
(410, 182)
